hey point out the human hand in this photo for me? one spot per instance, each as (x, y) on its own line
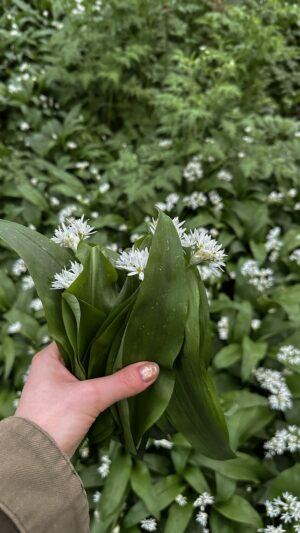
(65, 407)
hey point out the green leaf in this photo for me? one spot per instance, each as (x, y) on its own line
(195, 479)
(288, 480)
(194, 408)
(228, 356)
(253, 352)
(238, 509)
(8, 350)
(43, 259)
(243, 467)
(220, 524)
(142, 485)
(114, 490)
(155, 328)
(166, 491)
(33, 195)
(178, 518)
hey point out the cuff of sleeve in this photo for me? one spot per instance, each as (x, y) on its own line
(39, 487)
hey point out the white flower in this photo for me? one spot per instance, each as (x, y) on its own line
(289, 354)
(286, 507)
(292, 193)
(181, 500)
(193, 170)
(297, 206)
(70, 236)
(223, 328)
(82, 164)
(165, 143)
(241, 155)
(149, 524)
(18, 267)
(66, 212)
(135, 237)
(14, 327)
(284, 440)
(255, 323)
(261, 278)
(204, 249)
(24, 126)
(275, 197)
(202, 518)
(36, 304)
(71, 145)
(65, 278)
(171, 201)
(178, 226)
(295, 256)
(27, 283)
(195, 200)
(104, 187)
(273, 243)
(274, 382)
(224, 175)
(203, 500)
(163, 443)
(134, 261)
(104, 468)
(54, 201)
(96, 496)
(216, 200)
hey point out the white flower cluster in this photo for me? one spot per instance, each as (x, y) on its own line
(255, 324)
(223, 328)
(96, 496)
(224, 175)
(274, 382)
(295, 256)
(27, 283)
(204, 249)
(70, 236)
(273, 243)
(104, 468)
(169, 203)
(148, 524)
(18, 267)
(216, 200)
(193, 170)
(65, 278)
(284, 440)
(285, 508)
(134, 261)
(275, 197)
(261, 278)
(289, 354)
(178, 226)
(15, 327)
(36, 304)
(202, 502)
(195, 200)
(181, 500)
(163, 443)
(66, 212)
(165, 143)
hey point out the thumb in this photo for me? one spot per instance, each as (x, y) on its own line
(135, 378)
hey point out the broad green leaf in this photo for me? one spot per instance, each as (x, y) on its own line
(33, 195)
(195, 478)
(238, 509)
(253, 352)
(220, 524)
(114, 490)
(227, 356)
(7, 291)
(96, 284)
(142, 485)
(166, 491)
(178, 518)
(194, 408)
(43, 259)
(287, 480)
(155, 328)
(9, 353)
(243, 467)
(225, 487)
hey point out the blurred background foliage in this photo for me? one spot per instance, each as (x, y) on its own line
(109, 107)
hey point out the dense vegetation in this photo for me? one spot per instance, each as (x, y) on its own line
(110, 107)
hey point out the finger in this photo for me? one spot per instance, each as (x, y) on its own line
(127, 382)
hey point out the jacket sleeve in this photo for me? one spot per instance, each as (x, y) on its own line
(39, 488)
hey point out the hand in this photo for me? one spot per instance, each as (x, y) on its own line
(64, 406)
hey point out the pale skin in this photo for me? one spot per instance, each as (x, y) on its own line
(65, 407)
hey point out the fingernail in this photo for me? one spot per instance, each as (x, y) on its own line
(149, 371)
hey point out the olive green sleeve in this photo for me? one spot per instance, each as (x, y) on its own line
(39, 488)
